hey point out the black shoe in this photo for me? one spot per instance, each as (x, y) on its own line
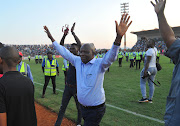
(150, 101)
(143, 100)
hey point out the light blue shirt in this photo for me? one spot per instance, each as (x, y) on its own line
(172, 114)
(90, 76)
(29, 74)
(65, 64)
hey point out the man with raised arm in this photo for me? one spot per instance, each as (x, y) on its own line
(70, 89)
(90, 73)
(172, 114)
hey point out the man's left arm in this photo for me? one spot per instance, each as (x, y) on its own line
(3, 115)
(121, 29)
(29, 74)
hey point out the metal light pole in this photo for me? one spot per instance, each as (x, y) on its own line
(124, 10)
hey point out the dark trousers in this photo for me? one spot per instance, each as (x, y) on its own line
(29, 59)
(157, 59)
(92, 117)
(120, 61)
(65, 76)
(127, 58)
(138, 62)
(36, 61)
(68, 93)
(40, 61)
(131, 63)
(53, 79)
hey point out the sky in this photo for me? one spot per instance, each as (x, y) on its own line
(22, 21)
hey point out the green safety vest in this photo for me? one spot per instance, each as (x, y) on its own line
(50, 69)
(120, 55)
(126, 54)
(63, 68)
(54, 56)
(144, 54)
(45, 57)
(158, 54)
(36, 57)
(138, 56)
(131, 56)
(29, 57)
(23, 69)
(96, 56)
(40, 57)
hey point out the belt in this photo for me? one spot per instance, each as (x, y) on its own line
(93, 107)
(70, 85)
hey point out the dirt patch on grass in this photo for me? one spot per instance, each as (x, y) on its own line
(46, 117)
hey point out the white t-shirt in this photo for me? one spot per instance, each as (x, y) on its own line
(152, 52)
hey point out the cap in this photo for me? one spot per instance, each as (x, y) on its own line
(20, 53)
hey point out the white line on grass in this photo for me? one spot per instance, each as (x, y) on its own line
(118, 108)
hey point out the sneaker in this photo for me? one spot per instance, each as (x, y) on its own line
(78, 125)
(150, 101)
(143, 100)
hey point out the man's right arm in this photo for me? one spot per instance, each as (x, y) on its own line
(3, 119)
(165, 30)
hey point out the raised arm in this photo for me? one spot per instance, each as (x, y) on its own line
(66, 54)
(63, 38)
(75, 37)
(165, 30)
(121, 29)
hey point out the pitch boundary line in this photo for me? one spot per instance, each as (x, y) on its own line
(118, 108)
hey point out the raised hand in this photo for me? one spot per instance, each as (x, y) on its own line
(123, 26)
(72, 29)
(159, 6)
(48, 33)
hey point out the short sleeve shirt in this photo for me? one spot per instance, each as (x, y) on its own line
(17, 99)
(151, 52)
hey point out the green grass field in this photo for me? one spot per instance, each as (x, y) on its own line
(122, 88)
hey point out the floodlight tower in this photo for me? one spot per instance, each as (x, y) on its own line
(124, 10)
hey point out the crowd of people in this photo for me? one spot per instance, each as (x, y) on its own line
(85, 76)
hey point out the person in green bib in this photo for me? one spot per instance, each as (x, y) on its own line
(40, 58)
(65, 69)
(45, 56)
(127, 55)
(138, 59)
(29, 58)
(50, 68)
(131, 58)
(120, 57)
(54, 56)
(24, 68)
(158, 55)
(36, 59)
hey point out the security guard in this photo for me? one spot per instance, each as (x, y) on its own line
(54, 56)
(29, 57)
(50, 68)
(65, 69)
(40, 58)
(131, 58)
(157, 56)
(138, 59)
(45, 56)
(24, 68)
(120, 56)
(127, 55)
(36, 59)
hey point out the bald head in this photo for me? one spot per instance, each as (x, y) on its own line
(10, 55)
(87, 52)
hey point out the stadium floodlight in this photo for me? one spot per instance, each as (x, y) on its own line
(124, 10)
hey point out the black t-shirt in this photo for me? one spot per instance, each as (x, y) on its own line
(71, 75)
(17, 99)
